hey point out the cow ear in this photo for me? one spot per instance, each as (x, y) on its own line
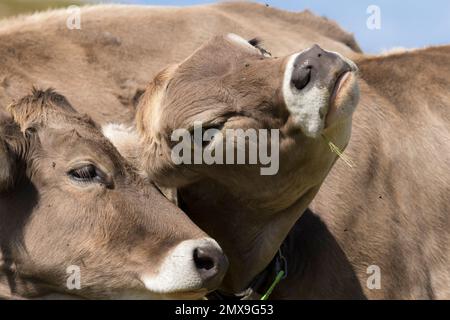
(148, 110)
(39, 108)
(154, 148)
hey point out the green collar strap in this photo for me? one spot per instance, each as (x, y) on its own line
(279, 277)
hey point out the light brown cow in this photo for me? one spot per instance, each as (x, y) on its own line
(229, 84)
(370, 210)
(70, 205)
(384, 223)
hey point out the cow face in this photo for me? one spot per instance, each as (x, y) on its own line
(230, 83)
(76, 218)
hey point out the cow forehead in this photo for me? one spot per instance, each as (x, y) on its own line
(245, 67)
(76, 126)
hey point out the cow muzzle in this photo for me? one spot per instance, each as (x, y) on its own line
(190, 270)
(319, 89)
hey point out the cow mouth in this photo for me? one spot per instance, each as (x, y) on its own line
(339, 85)
(343, 98)
(321, 96)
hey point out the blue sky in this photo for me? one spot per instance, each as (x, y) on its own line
(404, 23)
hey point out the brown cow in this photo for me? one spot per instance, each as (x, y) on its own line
(70, 203)
(383, 226)
(229, 84)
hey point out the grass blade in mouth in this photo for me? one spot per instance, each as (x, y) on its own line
(335, 149)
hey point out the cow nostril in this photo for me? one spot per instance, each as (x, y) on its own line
(301, 77)
(202, 260)
(209, 263)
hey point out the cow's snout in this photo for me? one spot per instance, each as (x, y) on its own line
(319, 89)
(193, 266)
(318, 67)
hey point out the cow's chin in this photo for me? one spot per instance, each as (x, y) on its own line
(178, 295)
(321, 108)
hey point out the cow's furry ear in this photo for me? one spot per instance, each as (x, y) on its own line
(148, 110)
(38, 108)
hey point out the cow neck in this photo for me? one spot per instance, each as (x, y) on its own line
(251, 238)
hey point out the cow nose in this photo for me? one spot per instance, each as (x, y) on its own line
(301, 76)
(196, 265)
(211, 264)
(316, 67)
(303, 66)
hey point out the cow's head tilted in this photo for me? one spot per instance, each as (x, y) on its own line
(230, 83)
(301, 102)
(73, 210)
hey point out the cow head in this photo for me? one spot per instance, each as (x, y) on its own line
(305, 99)
(76, 218)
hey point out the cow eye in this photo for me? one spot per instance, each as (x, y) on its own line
(204, 128)
(87, 174)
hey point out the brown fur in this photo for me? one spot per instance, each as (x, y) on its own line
(398, 129)
(361, 216)
(121, 48)
(232, 85)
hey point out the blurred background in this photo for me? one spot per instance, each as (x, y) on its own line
(403, 23)
(15, 7)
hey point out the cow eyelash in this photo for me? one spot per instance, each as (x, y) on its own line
(87, 174)
(257, 44)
